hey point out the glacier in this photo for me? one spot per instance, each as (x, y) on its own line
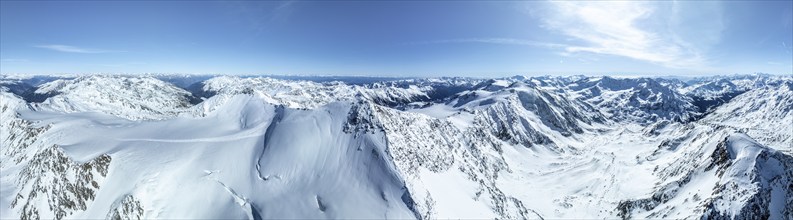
(256, 147)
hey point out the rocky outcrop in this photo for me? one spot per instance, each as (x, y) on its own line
(417, 142)
(64, 185)
(128, 207)
(751, 182)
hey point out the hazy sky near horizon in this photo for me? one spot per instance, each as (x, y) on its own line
(397, 38)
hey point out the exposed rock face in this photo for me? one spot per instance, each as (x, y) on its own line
(417, 142)
(765, 114)
(47, 175)
(642, 100)
(503, 120)
(66, 186)
(769, 174)
(751, 181)
(126, 208)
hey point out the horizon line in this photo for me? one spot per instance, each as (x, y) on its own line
(494, 75)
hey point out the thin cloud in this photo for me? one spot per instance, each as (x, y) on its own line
(508, 41)
(74, 49)
(620, 29)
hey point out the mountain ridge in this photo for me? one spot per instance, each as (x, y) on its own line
(408, 148)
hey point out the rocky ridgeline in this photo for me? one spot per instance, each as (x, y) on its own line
(417, 142)
(744, 174)
(641, 100)
(127, 208)
(66, 186)
(47, 175)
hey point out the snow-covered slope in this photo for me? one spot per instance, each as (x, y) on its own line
(444, 167)
(765, 113)
(45, 182)
(307, 94)
(524, 114)
(711, 92)
(642, 100)
(243, 159)
(509, 148)
(734, 178)
(714, 86)
(133, 98)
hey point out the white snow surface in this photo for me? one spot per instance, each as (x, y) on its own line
(127, 97)
(307, 94)
(512, 148)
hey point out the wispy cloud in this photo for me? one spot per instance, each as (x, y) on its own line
(74, 49)
(637, 30)
(509, 41)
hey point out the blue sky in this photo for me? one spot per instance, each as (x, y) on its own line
(397, 38)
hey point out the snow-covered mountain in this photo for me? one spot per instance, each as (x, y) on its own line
(132, 98)
(307, 94)
(719, 85)
(138, 147)
(764, 113)
(642, 100)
